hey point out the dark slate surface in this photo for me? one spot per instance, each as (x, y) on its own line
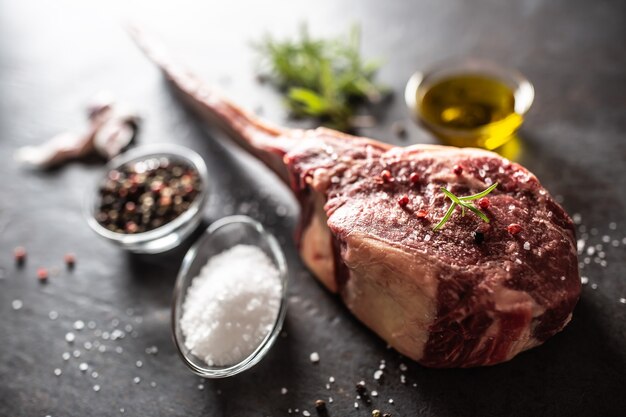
(55, 55)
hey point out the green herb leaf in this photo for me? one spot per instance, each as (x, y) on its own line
(462, 202)
(445, 217)
(480, 194)
(322, 78)
(308, 99)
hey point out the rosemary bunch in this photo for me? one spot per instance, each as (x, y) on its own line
(322, 78)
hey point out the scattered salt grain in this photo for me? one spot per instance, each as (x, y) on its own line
(281, 211)
(243, 290)
(390, 400)
(17, 304)
(58, 372)
(153, 384)
(66, 356)
(87, 345)
(314, 357)
(91, 324)
(69, 337)
(305, 413)
(331, 379)
(79, 325)
(83, 367)
(584, 280)
(53, 315)
(152, 350)
(622, 300)
(102, 348)
(403, 367)
(136, 380)
(283, 390)
(526, 245)
(594, 286)
(356, 405)
(96, 388)
(374, 393)
(402, 379)
(138, 364)
(327, 386)
(330, 399)
(378, 374)
(117, 334)
(613, 226)
(76, 353)
(94, 375)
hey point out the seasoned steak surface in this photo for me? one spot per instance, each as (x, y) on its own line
(494, 296)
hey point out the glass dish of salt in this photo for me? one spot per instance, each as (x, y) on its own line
(230, 298)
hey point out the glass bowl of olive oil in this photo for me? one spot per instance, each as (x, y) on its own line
(471, 102)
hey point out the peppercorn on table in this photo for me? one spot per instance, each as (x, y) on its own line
(86, 326)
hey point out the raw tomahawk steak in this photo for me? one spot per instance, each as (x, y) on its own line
(442, 298)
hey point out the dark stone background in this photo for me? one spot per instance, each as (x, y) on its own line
(55, 55)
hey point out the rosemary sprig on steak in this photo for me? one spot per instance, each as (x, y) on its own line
(463, 203)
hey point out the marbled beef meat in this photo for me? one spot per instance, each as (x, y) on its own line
(443, 298)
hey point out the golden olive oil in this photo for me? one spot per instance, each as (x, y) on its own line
(471, 110)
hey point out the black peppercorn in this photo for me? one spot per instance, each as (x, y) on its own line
(479, 237)
(362, 391)
(143, 195)
(360, 388)
(320, 406)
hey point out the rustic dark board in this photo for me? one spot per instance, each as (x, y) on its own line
(55, 55)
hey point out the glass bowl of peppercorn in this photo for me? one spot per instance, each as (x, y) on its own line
(150, 199)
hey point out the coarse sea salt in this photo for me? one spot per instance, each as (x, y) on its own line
(231, 306)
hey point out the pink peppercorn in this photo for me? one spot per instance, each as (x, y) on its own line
(20, 254)
(70, 260)
(403, 201)
(131, 227)
(42, 274)
(484, 203)
(421, 214)
(458, 169)
(514, 228)
(414, 177)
